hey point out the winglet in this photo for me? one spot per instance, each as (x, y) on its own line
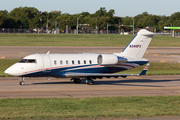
(145, 70)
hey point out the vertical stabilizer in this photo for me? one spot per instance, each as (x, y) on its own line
(139, 44)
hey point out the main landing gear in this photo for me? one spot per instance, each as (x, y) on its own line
(21, 81)
(78, 80)
(90, 82)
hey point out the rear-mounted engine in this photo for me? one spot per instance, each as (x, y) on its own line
(109, 59)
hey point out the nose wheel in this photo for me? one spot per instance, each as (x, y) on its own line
(21, 81)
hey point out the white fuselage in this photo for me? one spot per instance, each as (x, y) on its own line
(56, 65)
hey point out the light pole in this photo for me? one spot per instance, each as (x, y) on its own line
(133, 26)
(40, 23)
(119, 28)
(47, 25)
(40, 12)
(96, 27)
(77, 23)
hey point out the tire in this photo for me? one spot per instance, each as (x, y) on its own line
(21, 83)
(77, 81)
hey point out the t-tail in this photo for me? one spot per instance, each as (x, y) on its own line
(138, 45)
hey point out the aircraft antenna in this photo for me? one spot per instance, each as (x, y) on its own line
(48, 52)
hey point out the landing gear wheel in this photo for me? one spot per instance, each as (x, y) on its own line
(21, 83)
(77, 80)
(90, 82)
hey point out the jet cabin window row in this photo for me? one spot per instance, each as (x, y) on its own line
(67, 62)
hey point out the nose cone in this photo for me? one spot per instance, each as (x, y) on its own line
(8, 71)
(11, 71)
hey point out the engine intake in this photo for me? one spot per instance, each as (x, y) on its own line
(110, 59)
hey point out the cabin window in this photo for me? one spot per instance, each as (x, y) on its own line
(90, 62)
(61, 62)
(55, 62)
(84, 61)
(28, 61)
(78, 61)
(72, 61)
(67, 62)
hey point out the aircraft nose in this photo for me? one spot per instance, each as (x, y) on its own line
(7, 71)
(12, 70)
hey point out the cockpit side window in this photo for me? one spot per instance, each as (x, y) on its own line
(28, 61)
(31, 61)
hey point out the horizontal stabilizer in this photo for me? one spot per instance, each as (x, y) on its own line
(152, 34)
(145, 70)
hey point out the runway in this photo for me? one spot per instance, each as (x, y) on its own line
(64, 88)
(60, 88)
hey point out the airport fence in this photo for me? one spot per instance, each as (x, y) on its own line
(20, 30)
(69, 31)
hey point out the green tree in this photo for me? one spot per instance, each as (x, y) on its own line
(65, 19)
(151, 20)
(163, 22)
(101, 22)
(5, 12)
(25, 14)
(138, 19)
(3, 17)
(110, 13)
(63, 23)
(7, 21)
(101, 12)
(174, 19)
(84, 14)
(127, 21)
(53, 15)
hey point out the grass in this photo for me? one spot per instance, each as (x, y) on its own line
(112, 107)
(4, 64)
(158, 69)
(154, 69)
(81, 40)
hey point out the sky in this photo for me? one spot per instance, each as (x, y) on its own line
(122, 8)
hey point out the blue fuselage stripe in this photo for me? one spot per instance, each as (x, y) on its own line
(95, 68)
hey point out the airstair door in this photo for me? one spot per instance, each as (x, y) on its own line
(46, 63)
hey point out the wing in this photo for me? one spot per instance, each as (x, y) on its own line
(143, 72)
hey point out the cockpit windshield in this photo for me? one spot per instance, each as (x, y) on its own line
(27, 61)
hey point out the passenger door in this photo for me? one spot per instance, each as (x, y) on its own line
(46, 63)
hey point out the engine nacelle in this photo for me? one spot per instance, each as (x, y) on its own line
(110, 59)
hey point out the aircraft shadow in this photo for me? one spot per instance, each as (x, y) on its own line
(118, 82)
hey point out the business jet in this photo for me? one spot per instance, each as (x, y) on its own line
(89, 66)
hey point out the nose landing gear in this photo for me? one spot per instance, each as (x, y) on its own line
(21, 81)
